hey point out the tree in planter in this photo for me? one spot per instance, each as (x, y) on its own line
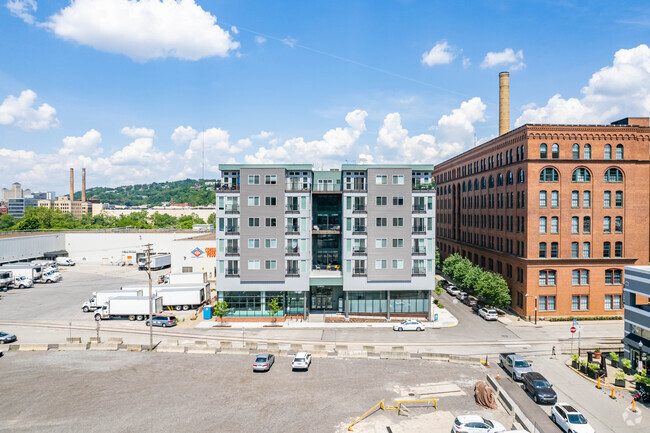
(274, 308)
(641, 378)
(614, 357)
(221, 309)
(597, 353)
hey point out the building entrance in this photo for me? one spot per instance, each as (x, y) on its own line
(321, 298)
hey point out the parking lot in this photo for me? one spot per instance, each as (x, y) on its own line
(134, 391)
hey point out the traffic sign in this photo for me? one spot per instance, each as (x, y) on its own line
(573, 329)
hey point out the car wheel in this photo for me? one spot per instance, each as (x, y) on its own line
(514, 376)
(186, 307)
(536, 399)
(85, 309)
(98, 317)
(400, 329)
(419, 329)
(164, 325)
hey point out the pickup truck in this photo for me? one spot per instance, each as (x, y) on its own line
(514, 364)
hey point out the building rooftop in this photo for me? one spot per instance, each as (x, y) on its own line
(237, 167)
(351, 167)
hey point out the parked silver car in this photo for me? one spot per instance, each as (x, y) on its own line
(7, 338)
(263, 362)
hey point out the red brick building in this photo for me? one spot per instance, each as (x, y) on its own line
(558, 210)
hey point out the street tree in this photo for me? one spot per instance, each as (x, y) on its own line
(220, 310)
(473, 274)
(274, 307)
(493, 289)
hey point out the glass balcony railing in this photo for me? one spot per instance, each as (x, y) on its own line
(419, 208)
(419, 229)
(292, 229)
(232, 250)
(291, 271)
(292, 208)
(359, 250)
(232, 208)
(232, 272)
(359, 208)
(419, 272)
(359, 229)
(292, 250)
(231, 230)
(419, 250)
(359, 271)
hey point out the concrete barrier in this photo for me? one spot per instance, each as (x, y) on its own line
(508, 403)
(169, 348)
(296, 347)
(134, 347)
(201, 342)
(95, 339)
(394, 355)
(73, 339)
(369, 348)
(319, 354)
(73, 346)
(352, 354)
(202, 349)
(225, 344)
(319, 347)
(458, 359)
(29, 347)
(107, 347)
(251, 345)
(398, 349)
(171, 341)
(234, 351)
(115, 340)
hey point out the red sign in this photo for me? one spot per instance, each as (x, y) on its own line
(573, 329)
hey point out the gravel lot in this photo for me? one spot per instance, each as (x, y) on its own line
(130, 391)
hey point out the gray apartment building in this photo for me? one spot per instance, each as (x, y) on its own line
(636, 295)
(359, 240)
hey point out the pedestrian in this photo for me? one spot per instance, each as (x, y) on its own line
(553, 355)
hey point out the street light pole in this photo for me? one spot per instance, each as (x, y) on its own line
(150, 289)
(535, 310)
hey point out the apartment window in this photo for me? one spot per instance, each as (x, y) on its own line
(608, 151)
(613, 276)
(521, 176)
(381, 243)
(271, 222)
(607, 224)
(619, 199)
(398, 180)
(619, 151)
(542, 225)
(579, 303)
(607, 249)
(575, 225)
(586, 224)
(270, 265)
(612, 302)
(270, 179)
(547, 303)
(253, 179)
(555, 151)
(381, 201)
(549, 175)
(575, 199)
(253, 243)
(398, 222)
(381, 222)
(586, 199)
(555, 222)
(576, 151)
(398, 201)
(542, 199)
(543, 151)
(581, 175)
(613, 175)
(271, 243)
(608, 199)
(574, 250)
(555, 198)
(546, 278)
(381, 180)
(398, 243)
(253, 201)
(554, 250)
(380, 264)
(618, 224)
(253, 222)
(542, 250)
(587, 153)
(580, 277)
(253, 265)
(618, 249)
(398, 264)
(586, 250)
(270, 201)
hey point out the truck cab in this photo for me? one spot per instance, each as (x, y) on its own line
(6, 278)
(89, 305)
(51, 276)
(22, 282)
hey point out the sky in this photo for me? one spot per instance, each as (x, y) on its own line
(155, 90)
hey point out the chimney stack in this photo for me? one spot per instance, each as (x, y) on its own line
(504, 102)
(83, 184)
(71, 184)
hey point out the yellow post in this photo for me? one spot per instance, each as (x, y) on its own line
(598, 386)
(613, 397)
(633, 407)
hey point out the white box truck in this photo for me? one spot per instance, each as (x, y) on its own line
(183, 296)
(51, 276)
(6, 278)
(23, 276)
(188, 278)
(33, 272)
(64, 261)
(158, 261)
(131, 307)
(102, 297)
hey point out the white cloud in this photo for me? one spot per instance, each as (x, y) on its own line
(291, 42)
(234, 30)
(143, 30)
(263, 135)
(22, 9)
(85, 145)
(508, 58)
(132, 131)
(183, 134)
(141, 151)
(440, 54)
(20, 112)
(466, 62)
(260, 39)
(619, 90)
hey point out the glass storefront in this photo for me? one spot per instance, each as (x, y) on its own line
(412, 301)
(251, 304)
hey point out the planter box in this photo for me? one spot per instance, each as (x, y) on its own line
(575, 364)
(625, 370)
(583, 369)
(619, 383)
(593, 374)
(614, 363)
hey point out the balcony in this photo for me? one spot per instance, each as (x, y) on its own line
(419, 272)
(232, 208)
(419, 230)
(360, 251)
(292, 251)
(359, 230)
(292, 230)
(423, 186)
(292, 208)
(232, 251)
(297, 187)
(227, 188)
(232, 230)
(327, 228)
(328, 187)
(232, 272)
(292, 272)
(419, 208)
(359, 272)
(359, 208)
(419, 251)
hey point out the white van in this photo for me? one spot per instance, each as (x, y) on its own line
(64, 261)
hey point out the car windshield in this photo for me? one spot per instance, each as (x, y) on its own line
(299, 360)
(542, 384)
(577, 418)
(260, 359)
(522, 364)
(2, 334)
(488, 422)
(492, 312)
(405, 322)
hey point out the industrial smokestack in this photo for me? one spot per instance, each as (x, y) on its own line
(504, 102)
(71, 184)
(83, 184)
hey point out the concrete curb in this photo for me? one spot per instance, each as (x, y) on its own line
(394, 355)
(73, 346)
(104, 346)
(352, 354)
(508, 403)
(24, 347)
(168, 348)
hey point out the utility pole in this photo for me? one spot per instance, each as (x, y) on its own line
(150, 306)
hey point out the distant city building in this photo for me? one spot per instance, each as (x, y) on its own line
(17, 206)
(4, 210)
(49, 195)
(63, 203)
(15, 191)
(636, 293)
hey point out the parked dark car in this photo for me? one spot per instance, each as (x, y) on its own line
(539, 388)
(470, 301)
(7, 338)
(163, 321)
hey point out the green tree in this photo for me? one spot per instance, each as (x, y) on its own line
(6, 222)
(438, 260)
(159, 220)
(493, 289)
(212, 219)
(187, 221)
(461, 269)
(28, 223)
(470, 281)
(450, 263)
(274, 307)
(220, 310)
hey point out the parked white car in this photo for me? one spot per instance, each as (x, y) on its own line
(569, 419)
(301, 361)
(409, 325)
(488, 314)
(476, 424)
(453, 290)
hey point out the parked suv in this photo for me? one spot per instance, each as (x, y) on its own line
(539, 388)
(470, 301)
(163, 321)
(301, 361)
(569, 419)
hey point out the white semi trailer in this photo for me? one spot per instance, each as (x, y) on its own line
(182, 296)
(29, 270)
(188, 278)
(158, 261)
(102, 297)
(128, 307)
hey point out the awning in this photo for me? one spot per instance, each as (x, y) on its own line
(54, 254)
(633, 340)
